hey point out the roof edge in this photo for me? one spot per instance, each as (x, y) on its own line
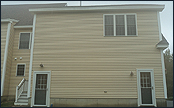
(9, 20)
(106, 7)
(163, 44)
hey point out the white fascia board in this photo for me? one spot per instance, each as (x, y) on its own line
(28, 26)
(9, 20)
(160, 7)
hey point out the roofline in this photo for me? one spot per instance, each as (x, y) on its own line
(9, 20)
(106, 7)
(26, 26)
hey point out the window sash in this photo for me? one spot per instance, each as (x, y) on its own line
(24, 42)
(20, 69)
(122, 25)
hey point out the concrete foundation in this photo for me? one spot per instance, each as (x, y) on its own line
(101, 102)
(93, 102)
(161, 102)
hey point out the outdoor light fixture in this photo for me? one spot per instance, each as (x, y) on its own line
(41, 65)
(131, 73)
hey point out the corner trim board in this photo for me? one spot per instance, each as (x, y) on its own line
(5, 58)
(164, 76)
(31, 56)
(159, 25)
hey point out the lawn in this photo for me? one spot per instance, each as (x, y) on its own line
(7, 104)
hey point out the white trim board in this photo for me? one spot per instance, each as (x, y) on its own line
(28, 26)
(5, 58)
(31, 57)
(159, 25)
(106, 7)
(9, 20)
(164, 76)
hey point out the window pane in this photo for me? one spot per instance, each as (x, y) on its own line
(120, 25)
(20, 70)
(109, 26)
(131, 25)
(24, 41)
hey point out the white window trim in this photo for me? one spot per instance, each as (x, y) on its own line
(17, 69)
(29, 40)
(115, 24)
(139, 87)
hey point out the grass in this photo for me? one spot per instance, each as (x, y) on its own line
(7, 104)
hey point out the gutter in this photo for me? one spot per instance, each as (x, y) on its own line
(108, 7)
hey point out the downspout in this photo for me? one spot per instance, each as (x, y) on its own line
(31, 57)
(162, 58)
(5, 57)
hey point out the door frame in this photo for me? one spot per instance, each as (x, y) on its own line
(48, 86)
(139, 87)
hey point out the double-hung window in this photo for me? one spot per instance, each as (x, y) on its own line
(120, 25)
(24, 41)
(20, 70)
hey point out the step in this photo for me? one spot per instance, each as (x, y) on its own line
(23, 96)
(24, 93)
(21, 103)
(22, 100)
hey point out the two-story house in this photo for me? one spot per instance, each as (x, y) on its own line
(84, 56)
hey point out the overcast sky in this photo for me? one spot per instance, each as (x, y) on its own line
(166, 15)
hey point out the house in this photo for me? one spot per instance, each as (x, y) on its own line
(98, 56)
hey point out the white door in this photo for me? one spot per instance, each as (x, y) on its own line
(41, 88)
(146, 87)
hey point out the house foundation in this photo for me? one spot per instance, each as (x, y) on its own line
(93, 102)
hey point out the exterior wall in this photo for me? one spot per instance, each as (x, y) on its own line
(84, 63)
(9, 61)
(4, 27)
(17, 53)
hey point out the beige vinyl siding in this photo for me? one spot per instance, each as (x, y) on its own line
(84, 63)
(9, 61)
(4, 27)
(17, 53)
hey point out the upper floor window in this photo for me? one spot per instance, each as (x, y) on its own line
(24, 41)
(120, 25)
